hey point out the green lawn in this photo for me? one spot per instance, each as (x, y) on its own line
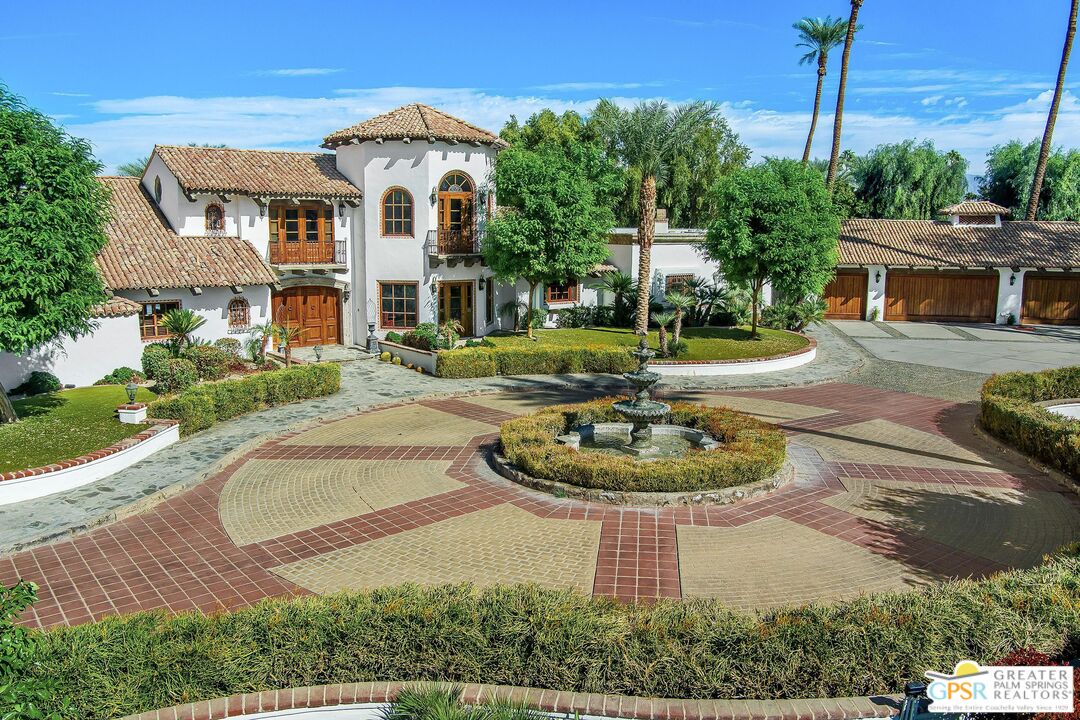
(706, 343)
(63, 425)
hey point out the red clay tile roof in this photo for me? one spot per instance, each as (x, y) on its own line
(926, 243)
(418, 122)
(975, 207)
(256, 172)
(143, 252)
(116, 306)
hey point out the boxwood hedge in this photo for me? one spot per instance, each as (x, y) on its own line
(540, 360)
(1010, 411)
(750, 450)
(524, 635)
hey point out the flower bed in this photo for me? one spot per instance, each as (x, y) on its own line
(1011, 411)
(525, 635)
(751, 451)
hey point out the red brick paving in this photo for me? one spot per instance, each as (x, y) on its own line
(177, 555)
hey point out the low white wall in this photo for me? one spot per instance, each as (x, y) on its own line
(35, 486)
(114, 343)
(748, 367)
(419, 358)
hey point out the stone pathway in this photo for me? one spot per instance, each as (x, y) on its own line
(365, 384)
(892, 491)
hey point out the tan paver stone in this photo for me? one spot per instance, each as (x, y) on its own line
(1012, 527)
(502, 544)
(523, 403)
(773, 411)
(405, 425)
(268, 498)
(887, 443)
(773, 561)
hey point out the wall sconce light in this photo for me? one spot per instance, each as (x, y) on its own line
(434, 197)
(345, 295)
(877, 277)
(341, 209)
(1012, 279)
(483, 283)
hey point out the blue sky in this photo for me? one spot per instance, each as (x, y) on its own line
(965, 73)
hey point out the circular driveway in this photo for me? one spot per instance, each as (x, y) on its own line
(892, 491)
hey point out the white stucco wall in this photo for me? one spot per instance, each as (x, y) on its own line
(114, 343)
(171, 195)
(875, 291)
(1010, 295)
(213, 305)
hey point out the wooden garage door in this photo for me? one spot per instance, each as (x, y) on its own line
(940, 297)
(1051, 299)
(316, 309)
(845, 296)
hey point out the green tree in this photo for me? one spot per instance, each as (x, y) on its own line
(647, 139)
(134, 168)
(662, 320)
(1048, 133)
(1008, 180)
(909, 181)
(53, 213)
(621, 286)
(682, 302)
(774, 223)
(182, 324)
(818, 36)
(843, 192)
(550, 227)
(838, 116)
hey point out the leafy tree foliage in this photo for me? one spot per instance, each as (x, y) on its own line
(1010, 169)
(53, 213)
(774, 223)
(909, 181)
(843, 193)
(550, 226)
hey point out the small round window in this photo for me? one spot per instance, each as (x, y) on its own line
(157, 189)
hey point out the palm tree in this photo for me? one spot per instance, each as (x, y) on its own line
(682, 302)
(620, 285)
(286, 334)
(819, 36)
(1048, 133)
(646, 138)
(838, 117)
(181, 324)
(663, 319)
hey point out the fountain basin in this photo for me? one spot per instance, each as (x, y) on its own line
(1069, 409)
(614, 439)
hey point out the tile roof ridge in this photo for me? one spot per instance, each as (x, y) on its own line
(245, 150)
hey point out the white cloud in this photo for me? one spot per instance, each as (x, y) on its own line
(931, 100)
(579, 86)
(70, 94)
(301, 72)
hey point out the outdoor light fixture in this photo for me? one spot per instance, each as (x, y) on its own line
(434, 197)
(1012, 279)
(877, 277)
(341, 209)
(131, 388)
(483, 283)
(318, 352)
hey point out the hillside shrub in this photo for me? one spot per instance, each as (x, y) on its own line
(1009, 411)
(39, 381)
(122, 376)
(526, 635)
(230, 345)
(176, 375)
(425, 336)
(24, 690)
(211, 363)
(154, 357)
(539, 360)
(750, 451)
(203, 405)
(393, 337)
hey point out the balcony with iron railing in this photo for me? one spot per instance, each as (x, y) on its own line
(307, 253)
(454, 245)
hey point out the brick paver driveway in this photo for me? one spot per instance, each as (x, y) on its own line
(892, 491)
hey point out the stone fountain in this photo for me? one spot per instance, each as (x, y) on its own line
(641, 410)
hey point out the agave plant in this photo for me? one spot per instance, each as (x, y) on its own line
(181, 324)
(663, 319)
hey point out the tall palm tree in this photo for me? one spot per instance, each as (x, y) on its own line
(646, 138)
(838, 117)
(682, 302)
(1048, 133)
(818, 36)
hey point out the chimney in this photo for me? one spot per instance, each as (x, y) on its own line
(661, 220)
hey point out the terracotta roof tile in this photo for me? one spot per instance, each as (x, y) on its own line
(975, 207)
(926, 243)
(256, 172)
(418, 122)
(116, 306)
(143, 251)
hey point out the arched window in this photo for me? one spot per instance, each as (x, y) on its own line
(456, 220)
(239, 314)
(397, 212)
(456, 182)
(215, 219)
(157, 189)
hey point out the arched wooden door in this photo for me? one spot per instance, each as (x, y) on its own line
(316, 309)
(456, 218)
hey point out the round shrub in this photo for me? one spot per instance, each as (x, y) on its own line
(229, 345)
(211, 363)
(178, 374)
(750, 450)
(154, 357)
(397, 360)
(39, 382)
(121, 376)
(384, 356)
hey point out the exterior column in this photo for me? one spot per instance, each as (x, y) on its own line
(1010, 296)
(875, 292)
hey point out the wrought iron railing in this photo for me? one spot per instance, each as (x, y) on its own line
(308, 253)
(453, 241)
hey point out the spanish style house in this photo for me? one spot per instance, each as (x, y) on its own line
(384, 231)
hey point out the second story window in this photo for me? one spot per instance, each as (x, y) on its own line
(215, 219)
(301, 234)
(397, 212)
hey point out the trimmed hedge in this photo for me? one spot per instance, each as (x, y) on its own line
(524, 635)
(540, 360)
(203, 405)
(1009, 412)
(750, 450)
(175, 375)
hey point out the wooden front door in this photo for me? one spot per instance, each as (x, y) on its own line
(316, 309)
(1051, 299)
(845, 296)
(456, 303)
(940, 297)
(455, 223)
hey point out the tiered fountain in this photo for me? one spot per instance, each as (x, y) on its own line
(641, 410)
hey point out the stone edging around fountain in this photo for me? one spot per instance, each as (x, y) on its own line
(722, 496)
(741, 366)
